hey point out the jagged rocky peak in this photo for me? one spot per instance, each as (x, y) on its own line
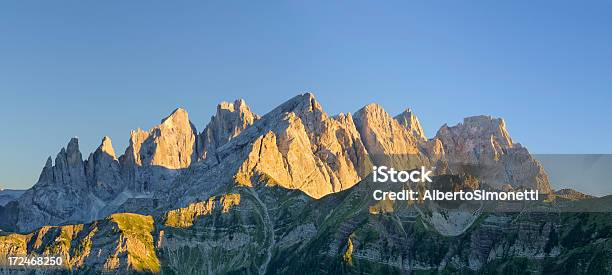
(494, 129)
(105, 152)
(229, 121)
(483, 142)
(298, 146)
(238, 105)
(47, 172)
(476, 135)
(300, 104)
(103, 171)
(305, 107)
(68, 169)
(387, 141)
(409, 120)
(178, 117)
(172, 144)
(73, 150)
(107, 147)
(60, 190)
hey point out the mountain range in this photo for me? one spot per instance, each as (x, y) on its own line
(289, 192)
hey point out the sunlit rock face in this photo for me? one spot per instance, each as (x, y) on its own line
(301, 147)
(410, 121)
(153, 158)
(431, 148)
(119, 242)
(387, 141)
(482, 146)
(296, 146)
(170, 145)
(229, 121)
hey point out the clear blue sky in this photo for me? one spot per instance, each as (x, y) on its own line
(95, 68)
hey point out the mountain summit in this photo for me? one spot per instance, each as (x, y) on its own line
(409, 120)
(229, 121)
(483, 142)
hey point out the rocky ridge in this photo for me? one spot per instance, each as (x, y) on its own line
(409, 120)
(300, 147)
(296, 146)
(229, 121)
(288, 192)
(482, 146)
(153, 156)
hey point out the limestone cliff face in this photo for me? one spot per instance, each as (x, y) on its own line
(103, 172)
(482, 145)
(170, 145)
(386, 140)
(295, 146)
(298, 146)
(69, 168)
(153, 157)
(229, 121)
(410, 121)
(477, 137)
(432, 148)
